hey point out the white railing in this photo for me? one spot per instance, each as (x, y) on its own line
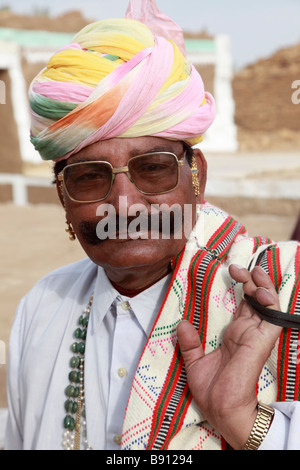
(253, 188)
(20, 185)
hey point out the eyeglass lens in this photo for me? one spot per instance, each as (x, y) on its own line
(90, 181)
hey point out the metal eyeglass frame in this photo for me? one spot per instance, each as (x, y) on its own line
(121, 169)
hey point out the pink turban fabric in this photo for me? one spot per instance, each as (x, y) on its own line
(119, 78)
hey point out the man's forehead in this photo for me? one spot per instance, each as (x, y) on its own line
(123, 149)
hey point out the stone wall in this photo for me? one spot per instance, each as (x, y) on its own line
(265, 114)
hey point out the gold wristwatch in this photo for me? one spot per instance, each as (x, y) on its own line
(261, 427)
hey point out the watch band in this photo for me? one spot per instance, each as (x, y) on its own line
(261, 427)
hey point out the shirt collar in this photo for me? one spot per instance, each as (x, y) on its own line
(145, 305)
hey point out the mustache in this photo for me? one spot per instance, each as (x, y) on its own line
(117, 226)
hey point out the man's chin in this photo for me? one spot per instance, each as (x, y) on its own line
(132, 253)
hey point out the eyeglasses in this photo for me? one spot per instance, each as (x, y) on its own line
(151, 173)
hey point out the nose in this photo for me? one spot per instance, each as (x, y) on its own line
(124, 194)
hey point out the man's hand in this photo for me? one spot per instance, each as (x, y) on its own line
(223, 382)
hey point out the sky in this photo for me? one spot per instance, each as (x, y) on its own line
(257, 28)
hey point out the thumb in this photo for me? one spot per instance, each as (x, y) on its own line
(189, 343)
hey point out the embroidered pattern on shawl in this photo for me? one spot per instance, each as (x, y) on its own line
(161, 413)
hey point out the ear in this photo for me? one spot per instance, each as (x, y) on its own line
(59, 189)
(202, 173)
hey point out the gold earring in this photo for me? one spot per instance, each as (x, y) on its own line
(195, 177)
(69, 229)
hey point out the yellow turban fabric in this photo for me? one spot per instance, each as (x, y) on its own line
(119, 78)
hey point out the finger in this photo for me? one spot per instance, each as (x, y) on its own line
(265, 293)
(253, 280)
(190, 344)
(256, 284)
(243, 276)
(267, 296)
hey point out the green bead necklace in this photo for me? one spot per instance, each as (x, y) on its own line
(75, 402)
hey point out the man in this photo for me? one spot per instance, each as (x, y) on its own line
(99, 355)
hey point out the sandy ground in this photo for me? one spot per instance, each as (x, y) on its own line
(33, 242)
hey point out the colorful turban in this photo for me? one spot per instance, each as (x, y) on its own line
(118, 78)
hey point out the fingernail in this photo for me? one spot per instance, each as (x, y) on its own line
(262, 269)
(263, 288)
(238, 266)
(270, 297)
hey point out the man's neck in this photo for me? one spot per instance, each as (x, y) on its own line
(133, 292)
(133, 283)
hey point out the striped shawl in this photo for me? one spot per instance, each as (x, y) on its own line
(161, 413)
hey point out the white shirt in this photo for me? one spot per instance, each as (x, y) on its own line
(116, 337)
(40, 353)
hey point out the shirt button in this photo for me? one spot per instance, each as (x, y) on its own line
(125, 305)
(117, 439)
(122, 372)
